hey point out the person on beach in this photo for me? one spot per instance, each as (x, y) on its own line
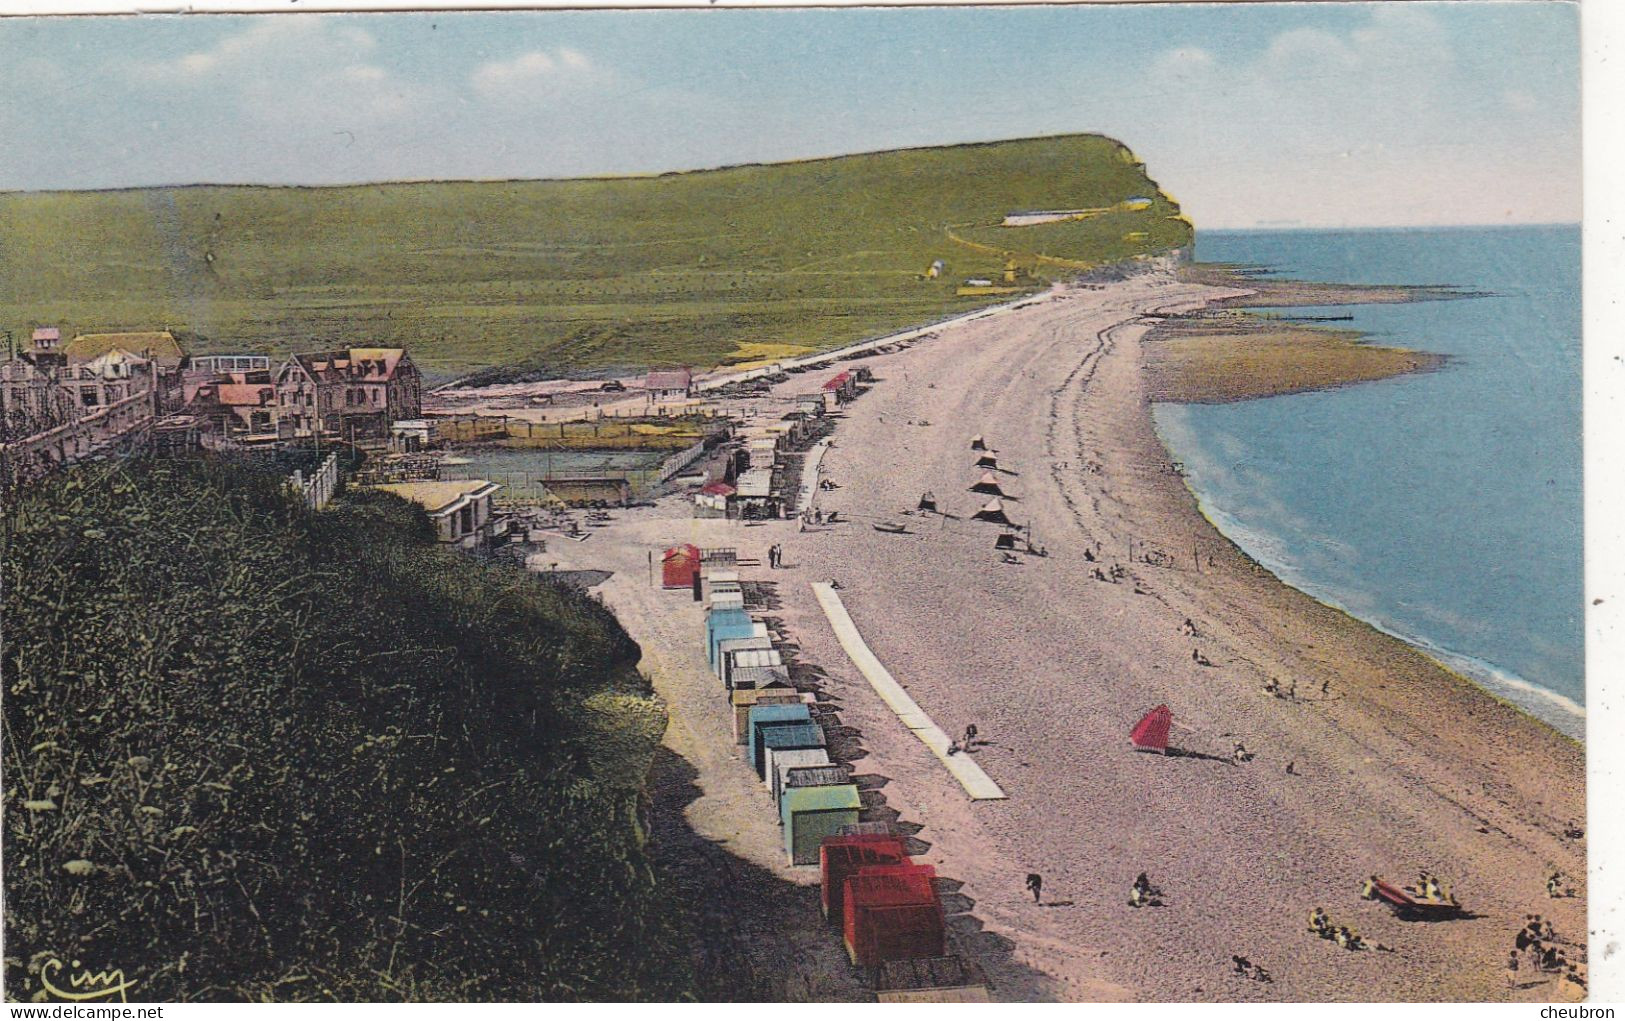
(1292, 768)
(1369, 890)
(1512, 970)
(1325, 689)
(1319, 923)
(1035, 884)
(1292, 690)
(1239, 754)
(970, 734)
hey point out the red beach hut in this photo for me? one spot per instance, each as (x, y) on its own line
(892, 913)
(1151, 733)
(679, 566)
(839, 858)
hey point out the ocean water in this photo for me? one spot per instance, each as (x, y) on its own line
(1443, 507)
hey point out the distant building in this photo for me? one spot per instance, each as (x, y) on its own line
(235, 410)
(160, 347)
(355, 394)
(669, 384)
(462, 511)
(211, 365)
(1031, 217)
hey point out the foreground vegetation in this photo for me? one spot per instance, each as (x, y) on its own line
(542, 278)
(253, 752)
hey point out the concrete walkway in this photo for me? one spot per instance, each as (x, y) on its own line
(977, 783)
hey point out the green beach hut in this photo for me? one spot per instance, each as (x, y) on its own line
(810, 814)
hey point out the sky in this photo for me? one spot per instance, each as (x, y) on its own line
(1307, 115)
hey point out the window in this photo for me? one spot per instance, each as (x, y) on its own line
(88, 397)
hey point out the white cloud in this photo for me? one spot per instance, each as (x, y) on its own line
(293, 72)
(535, 74)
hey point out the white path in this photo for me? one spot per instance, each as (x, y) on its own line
(977, 783)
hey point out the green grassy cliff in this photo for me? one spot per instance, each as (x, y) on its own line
(256, 753)
(579, 275)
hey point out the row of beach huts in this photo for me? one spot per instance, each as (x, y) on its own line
(887, 907)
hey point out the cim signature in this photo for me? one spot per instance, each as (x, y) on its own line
(86, 984)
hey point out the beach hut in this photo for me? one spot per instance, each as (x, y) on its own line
(809, 814)
(720, 668)
(678, 566)
(948, 979)
(871, 829)
(993, 511)
(723, 624)
(748, 677)
(781, 761)
(987, 461)
(711, 577)
(746, 699)
(988, 484)
(785, 735)
(733, 664)
(892, 913)
(829, 774)
(764, 715)
(727, 601)
(1151, 733)
(841, 856)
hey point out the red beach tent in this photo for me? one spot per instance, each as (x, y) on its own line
(1151, 733)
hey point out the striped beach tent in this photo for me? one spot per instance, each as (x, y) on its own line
(1151, 733)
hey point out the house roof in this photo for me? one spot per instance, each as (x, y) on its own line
(363, 364)
(246, 394)
(160, 345)
(439, 497)
(47, 333)
(717, 489)
(821, 799)
(669, 379)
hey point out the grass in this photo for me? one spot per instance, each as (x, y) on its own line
(579, 276)
(259, 754)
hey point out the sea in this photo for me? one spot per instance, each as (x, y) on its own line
(1443, 507)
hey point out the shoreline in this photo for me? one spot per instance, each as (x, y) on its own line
(1498, 682)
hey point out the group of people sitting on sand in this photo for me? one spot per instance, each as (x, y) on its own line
(1247, 968)
(1555, 886)
(1115, 575)
(1344, 936)
(1142, 894)
(969, 742)
(1534, 944)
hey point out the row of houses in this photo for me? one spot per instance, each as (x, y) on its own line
(886, 907)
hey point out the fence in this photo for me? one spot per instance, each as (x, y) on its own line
(317, 491)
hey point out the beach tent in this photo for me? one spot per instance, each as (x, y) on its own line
(1006, 540)
(928, 501)
(1151, 733)
(977, 443)
(809, 814)
(993, 510)
(678, 566)
(989, 484)
(987, 461)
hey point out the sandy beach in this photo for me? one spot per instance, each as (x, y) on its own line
(1400, 766)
